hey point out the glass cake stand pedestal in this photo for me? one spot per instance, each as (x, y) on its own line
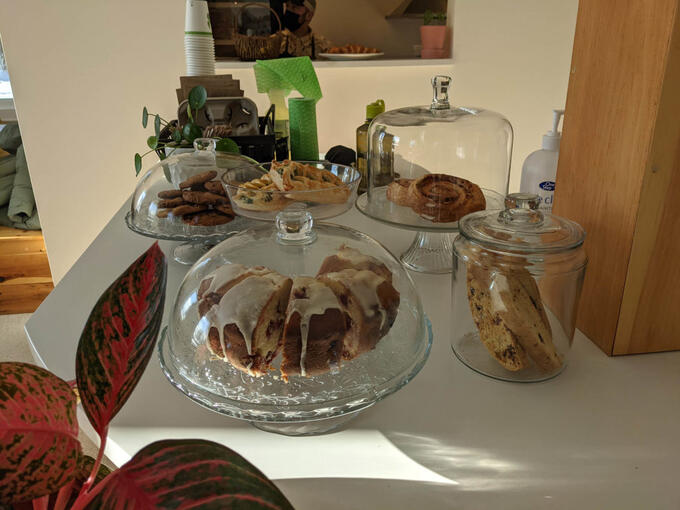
(432, 248)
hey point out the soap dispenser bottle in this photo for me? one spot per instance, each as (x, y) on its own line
(540, 168)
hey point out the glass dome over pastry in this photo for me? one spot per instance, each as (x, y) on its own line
(261, 191)
(428, 166)
(295, 328)
(182, 197)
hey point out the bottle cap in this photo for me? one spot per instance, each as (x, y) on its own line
(375, 109)
(551, 141)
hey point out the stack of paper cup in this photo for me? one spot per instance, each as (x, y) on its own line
(199, 46)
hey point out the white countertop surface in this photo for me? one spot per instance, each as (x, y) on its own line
(602, 435)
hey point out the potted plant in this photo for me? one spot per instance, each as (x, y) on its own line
(179, 137)
(434, 36)
(41, 462)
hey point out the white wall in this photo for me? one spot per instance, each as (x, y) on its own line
(82, 70)
(514, 57)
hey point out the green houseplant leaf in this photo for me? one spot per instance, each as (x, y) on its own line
(227, 145)
(191, 131)
(197, 97)
(193, 474)
(119, 337)
(138, 164)
(152, 142)
(39, 448)
(157, 126)
(145, 117)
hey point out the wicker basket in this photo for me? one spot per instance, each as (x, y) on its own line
(254, 47)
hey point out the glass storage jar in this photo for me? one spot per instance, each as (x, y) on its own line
(417, 158)
(517, 281)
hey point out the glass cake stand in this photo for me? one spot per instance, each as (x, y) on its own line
(441, 144)
(143, 217)
(294, 246)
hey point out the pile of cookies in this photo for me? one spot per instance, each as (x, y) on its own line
(200, 201)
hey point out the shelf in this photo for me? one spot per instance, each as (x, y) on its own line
(405, 62)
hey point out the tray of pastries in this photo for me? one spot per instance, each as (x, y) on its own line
(352, 52)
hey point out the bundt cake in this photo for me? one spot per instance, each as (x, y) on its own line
(315, 329)
(255, 313)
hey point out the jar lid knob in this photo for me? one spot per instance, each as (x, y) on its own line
(522, 208)
(205, 144)
(441, 85)
(294, 225)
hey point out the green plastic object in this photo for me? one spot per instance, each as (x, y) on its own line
(304, 141)
(288, 74)
(374, 109)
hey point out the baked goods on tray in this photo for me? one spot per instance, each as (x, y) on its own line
(315, 323)
(352, 49)
(200, 201)
(290, 181)
(509, 314)
(440, 198)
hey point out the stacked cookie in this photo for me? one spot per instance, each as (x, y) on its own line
(200, 201)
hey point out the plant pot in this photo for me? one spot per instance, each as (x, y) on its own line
(435, 40)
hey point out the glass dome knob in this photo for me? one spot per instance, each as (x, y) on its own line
(205, 144)
(294, 225)
(521, 208)
(440, 86)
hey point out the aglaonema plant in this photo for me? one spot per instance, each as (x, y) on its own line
(41, 462)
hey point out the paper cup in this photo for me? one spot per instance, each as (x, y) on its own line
(197, 19)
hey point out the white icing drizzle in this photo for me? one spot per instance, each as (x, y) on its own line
(242, 306)
(353, 256)
(364, 286)
(229, 272)
(319, 298)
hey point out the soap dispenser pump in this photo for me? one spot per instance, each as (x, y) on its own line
(540, 168)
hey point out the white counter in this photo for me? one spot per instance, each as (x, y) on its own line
(601, 435)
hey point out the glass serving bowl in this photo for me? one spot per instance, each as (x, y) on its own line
(303, 405)
(260, 191)
(428, 165)
(147, 217)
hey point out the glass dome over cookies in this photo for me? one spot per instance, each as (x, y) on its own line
(428, 166)
(182, 198)
(295, 327)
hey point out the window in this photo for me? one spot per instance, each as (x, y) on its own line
(5, 88)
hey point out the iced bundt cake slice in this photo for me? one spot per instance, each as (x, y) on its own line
(315, 329)
(246, 316)
(371, 303)
(350, 258)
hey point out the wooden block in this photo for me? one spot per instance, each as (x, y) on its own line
(619, 171)
(218, 85)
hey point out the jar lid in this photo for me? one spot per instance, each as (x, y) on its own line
(522, 228)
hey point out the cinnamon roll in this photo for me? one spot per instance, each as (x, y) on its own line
(443, 198)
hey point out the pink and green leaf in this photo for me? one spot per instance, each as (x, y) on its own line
(39, 448)
(119, 338)
(192, 474)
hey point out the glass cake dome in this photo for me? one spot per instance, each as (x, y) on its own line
(296, 327)
(183, 199)
(428, 166)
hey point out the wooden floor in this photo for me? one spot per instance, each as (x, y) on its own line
(25, 278)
